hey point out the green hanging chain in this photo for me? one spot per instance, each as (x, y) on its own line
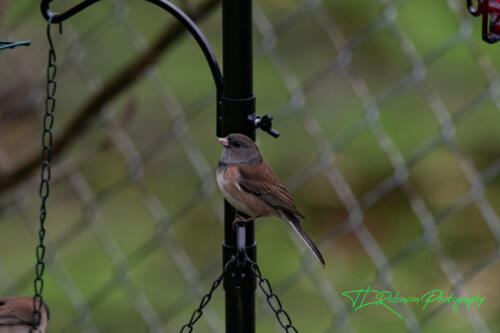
(48, 122)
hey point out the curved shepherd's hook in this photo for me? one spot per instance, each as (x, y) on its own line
(169, 7)
(264, 123)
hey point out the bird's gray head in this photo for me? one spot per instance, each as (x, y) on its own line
(239, 149)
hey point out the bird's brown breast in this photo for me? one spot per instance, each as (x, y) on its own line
(228, 180)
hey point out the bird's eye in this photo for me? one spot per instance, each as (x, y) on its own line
(236, 144)
(2, 303)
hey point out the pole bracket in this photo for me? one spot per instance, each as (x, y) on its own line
(238, 277)
(232, 110)
(265, 123)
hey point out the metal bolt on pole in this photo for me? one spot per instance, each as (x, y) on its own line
(238, 103)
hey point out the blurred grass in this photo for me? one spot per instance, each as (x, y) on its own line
(332, 102)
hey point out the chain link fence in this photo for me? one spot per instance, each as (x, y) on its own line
(389, 114)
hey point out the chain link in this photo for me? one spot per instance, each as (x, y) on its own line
(44, 190)
(206, 299)
(272, 299)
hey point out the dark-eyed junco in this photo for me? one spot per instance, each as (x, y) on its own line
(16, 315)
(250, 186)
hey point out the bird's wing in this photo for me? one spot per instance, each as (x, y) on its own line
(16, 311)
(259, 180)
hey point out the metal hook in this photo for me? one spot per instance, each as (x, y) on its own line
(489, 35)
(200, 39)
(476, 11)
(169, 7)
(59, 18)
(490, 20)
(490, 10)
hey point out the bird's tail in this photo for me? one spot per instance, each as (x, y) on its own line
(297, 226)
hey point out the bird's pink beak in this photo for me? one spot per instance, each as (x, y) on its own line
(223, 141)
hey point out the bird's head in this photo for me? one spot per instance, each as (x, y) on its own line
(239, 149)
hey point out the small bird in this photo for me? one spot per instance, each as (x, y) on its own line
(249, 185)
(16, 315)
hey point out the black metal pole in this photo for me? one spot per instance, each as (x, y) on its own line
(235, 114)
(238, 102)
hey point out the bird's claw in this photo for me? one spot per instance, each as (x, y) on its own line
(241, 219)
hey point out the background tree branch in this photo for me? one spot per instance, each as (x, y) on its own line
(123, 79)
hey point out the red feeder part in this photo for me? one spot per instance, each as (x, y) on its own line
(490, 12)
(493, 6)
(495, 28)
